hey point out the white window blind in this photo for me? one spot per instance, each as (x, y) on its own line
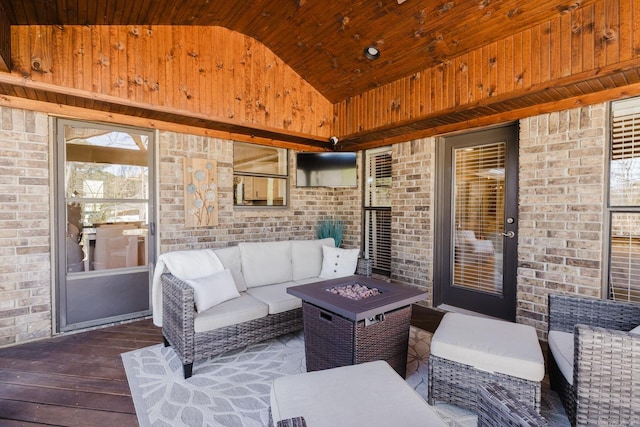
(377, 209)
(478, 217)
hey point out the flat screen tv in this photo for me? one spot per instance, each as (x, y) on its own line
(326, 169)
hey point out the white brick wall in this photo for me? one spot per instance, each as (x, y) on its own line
(562, 182)
(25, 185)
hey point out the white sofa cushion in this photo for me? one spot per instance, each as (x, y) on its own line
(368, 394)
(266, 263)
(489, 345)
(230, 258)
(276, 297)
(232, 312)
(212, 290)
(306, 257)
(636, 330)
(561, 346)
(338, 262)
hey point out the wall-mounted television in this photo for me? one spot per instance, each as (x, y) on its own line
(326, 169)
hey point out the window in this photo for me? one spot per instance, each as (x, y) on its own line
(377, 209)
(260, 175)
(624, 201)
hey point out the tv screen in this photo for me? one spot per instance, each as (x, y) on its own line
(327, 169)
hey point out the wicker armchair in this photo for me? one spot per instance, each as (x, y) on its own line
(606, 369)
(498, 407)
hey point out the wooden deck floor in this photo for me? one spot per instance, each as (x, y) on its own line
(72, 380)
(79, 379)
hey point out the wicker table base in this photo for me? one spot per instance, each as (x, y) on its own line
(332, 340)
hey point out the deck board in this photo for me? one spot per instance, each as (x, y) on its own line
(72, 380)
(79, 380)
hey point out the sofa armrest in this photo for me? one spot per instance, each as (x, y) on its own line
(178, 310)
(606, 372)
(566, 311)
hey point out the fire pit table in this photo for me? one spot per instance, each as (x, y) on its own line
(356, 319)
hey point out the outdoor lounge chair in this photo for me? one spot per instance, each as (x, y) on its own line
(594, 361)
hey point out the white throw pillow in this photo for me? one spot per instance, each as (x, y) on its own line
(212, 290)
(338, 262)
(636, 330)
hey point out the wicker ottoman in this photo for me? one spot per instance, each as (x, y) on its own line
(370, 394)
(468, 351)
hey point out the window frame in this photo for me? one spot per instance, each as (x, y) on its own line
(611, 210)
(371, 209)
(262, 175)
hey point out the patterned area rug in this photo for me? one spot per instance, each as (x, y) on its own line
(232, 390)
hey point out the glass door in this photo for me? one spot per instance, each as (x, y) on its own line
(477, 261)
(104, 234)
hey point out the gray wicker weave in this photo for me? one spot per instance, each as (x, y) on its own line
(606, 374)
(457, 383)
(498, 407)
(178, 327)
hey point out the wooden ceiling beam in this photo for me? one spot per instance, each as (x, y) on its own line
(154, 116)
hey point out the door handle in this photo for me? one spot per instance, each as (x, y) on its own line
(510, 234)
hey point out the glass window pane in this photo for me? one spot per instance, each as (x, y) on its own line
(624, 179)
(479, 215)
(258, 159)
(624, 269)
(106, 235)
(259, 191)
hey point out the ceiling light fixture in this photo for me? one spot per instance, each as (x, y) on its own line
(371, 52)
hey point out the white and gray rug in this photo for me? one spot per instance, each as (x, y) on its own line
(232, 390)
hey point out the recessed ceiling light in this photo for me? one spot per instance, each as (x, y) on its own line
(371, 52)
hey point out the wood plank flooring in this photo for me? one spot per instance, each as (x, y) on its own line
(79, 380)
(72, 380)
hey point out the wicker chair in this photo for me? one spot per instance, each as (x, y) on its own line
(498, 407)
(606, 370)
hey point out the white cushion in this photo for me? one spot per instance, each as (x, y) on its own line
(306, 257)
(368, 394)
(338, 262)
(561, 346)
(489, 345)
(192, 264)
(266, 263)
(276, 297)
(230, 258)
(636, 330)
(232, 312)
(212, 290)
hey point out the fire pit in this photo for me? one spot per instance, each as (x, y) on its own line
(354, 320)
(355, 291)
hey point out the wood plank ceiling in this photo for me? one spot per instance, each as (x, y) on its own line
(324, 43)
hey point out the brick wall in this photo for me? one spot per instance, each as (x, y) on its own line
(562, 181)
(25, 267)
(412, 213)
(306, 205)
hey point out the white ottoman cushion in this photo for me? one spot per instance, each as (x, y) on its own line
(370, 394)
(489, 345)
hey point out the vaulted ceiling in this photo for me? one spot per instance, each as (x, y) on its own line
(444, 65)
(323, 40)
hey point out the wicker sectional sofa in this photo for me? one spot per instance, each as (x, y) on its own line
(262, 272)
